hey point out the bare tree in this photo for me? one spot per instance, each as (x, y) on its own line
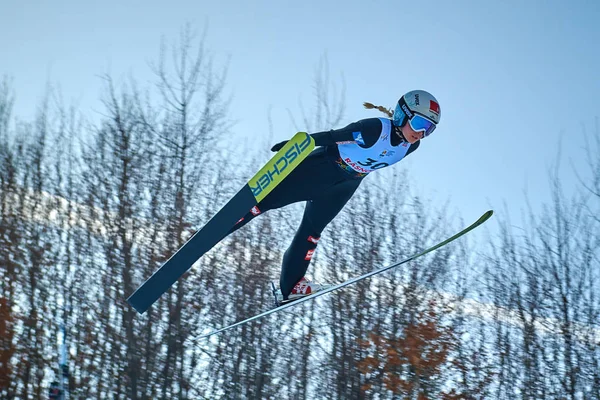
(8, 242)
(543, 282)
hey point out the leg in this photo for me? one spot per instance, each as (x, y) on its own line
(303, 183)
(317, 214)
(254, 212)
(292, 190)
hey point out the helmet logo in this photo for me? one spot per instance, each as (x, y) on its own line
(407, 111)
(434, 107)
(417, 101)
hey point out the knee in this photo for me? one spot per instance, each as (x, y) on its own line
(309, 228)
(254, 212)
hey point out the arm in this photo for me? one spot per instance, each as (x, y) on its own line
(369, 129)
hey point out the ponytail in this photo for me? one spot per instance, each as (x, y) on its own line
(384, 110)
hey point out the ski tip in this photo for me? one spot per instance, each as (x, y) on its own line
(486, 215)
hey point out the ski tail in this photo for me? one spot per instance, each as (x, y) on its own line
(274, 291)
(257, 188)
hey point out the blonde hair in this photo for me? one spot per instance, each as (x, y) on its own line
(386, 111)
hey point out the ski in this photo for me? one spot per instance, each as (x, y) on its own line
(474, 225)
(257, 188)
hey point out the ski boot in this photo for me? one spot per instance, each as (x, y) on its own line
(303, 288)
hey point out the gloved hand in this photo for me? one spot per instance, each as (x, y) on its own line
(279, 145)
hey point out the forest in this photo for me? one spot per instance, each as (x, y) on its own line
(90, 207)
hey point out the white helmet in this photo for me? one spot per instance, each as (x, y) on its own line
(420, 109)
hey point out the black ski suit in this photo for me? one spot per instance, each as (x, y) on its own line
(326, 183)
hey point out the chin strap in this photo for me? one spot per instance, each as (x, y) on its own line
(398, 131)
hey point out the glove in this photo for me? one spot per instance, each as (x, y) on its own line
(278, 146)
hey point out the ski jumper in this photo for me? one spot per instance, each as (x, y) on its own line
(326, 180)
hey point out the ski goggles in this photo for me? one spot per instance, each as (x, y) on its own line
(418, 122)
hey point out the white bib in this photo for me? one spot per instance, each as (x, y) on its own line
(382, 154)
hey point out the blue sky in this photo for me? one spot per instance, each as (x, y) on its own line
(516, 79)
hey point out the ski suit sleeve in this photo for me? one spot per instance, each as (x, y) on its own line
(369, 129)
